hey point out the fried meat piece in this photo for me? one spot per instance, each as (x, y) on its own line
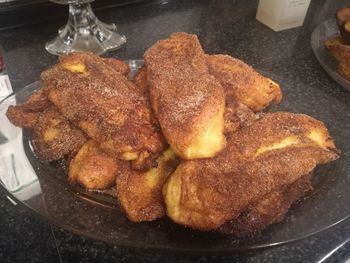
(268, 210)
(188, 102)
(92, 168)
(140, 194)
(273, 152)
(243, 83)
(54, 137)
(105, 105)
(26, 114)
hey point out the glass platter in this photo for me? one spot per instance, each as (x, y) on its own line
(44, 188)
(321, 33)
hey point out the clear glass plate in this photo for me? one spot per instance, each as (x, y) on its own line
(321, 33)
(44, 188)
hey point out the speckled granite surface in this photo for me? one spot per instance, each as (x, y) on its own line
(224, 26)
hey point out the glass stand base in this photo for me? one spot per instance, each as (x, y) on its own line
(85, 33)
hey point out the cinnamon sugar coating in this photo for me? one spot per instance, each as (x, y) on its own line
(244, 83)
(268, 210)
(105, 105)
(188, 102)
(273, 152)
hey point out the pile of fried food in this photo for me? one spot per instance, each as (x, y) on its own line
(339, 46)
(185, 138)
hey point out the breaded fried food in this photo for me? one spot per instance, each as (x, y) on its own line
(341, 52)
(237, 116)
(22, 118)
(244, 83)
(344, 70)
(188, 102)
(118, 65)
(268, 210)
(92, 168)
(105, 105)
(141, 82)
(76, 62)
(343, 21)
(54, 137)
(339, 49)
(273, 152)
(140, 194)
(26, 114)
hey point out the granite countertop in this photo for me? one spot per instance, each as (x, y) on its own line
(224, 26)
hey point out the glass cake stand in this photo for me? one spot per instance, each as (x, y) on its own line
(84, 32)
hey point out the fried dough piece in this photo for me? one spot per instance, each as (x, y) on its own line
(38, 101)
(20, 117)
(26, 114)
(141, 82)
(243, 83)
(343, 21)
(236, 116)
(344, 70)
(118, 65)
(273, 152)
(92, 168)
(140, 194)
(339, 49)
(76, 62)
(105, 105)
(54, 137)
(269, 210)
(188, 102)
(341, 52)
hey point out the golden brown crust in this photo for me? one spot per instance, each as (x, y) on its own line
(92, 168)
(54, 137)
(236, 116)
(188, 102)
(26, 114)
(343, 18)
(118, 65)
(104, 104)
(197, 98)
(141, 82)
(268, 210)
(339, 50)
(20, 117)
(274, 151)
(243, 83)
(140, 194)
(344, 70)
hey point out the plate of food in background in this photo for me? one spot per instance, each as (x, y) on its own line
(330, 42)
(181, 151)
